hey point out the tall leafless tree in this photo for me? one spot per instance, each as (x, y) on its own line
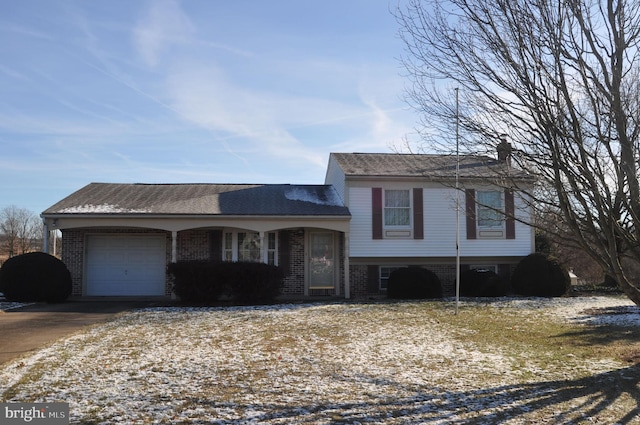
(562, 79)
(21, 230)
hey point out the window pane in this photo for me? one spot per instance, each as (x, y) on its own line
(397, 198)
(248, 247)
(397, 211)
(490, 209)
(396, 217)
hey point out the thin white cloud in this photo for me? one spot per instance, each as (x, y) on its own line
(13, 73)
(164, 24)
(23, 30)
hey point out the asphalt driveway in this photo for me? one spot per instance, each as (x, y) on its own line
(28, 328)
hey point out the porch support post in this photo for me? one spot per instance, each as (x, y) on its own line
(347, 283)
(263, 251)
(174, 246)
(45, 238)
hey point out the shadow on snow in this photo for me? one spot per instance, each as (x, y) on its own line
(559, 402)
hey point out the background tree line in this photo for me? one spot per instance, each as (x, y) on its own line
(21, 231)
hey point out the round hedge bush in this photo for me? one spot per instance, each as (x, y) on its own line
(540, 276)
(35, 277)
(482, 283)
(413, 283)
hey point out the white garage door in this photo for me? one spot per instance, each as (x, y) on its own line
(125, 265)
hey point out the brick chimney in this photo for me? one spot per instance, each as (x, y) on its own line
(504, 149)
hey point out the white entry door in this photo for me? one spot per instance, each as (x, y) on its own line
(118, 265)
(321, 260)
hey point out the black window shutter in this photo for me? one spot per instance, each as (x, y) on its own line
(470, 204)
(284, 251)
(376, 210)
(509, 211)
(418, 214)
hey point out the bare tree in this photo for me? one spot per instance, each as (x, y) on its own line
(561, 79)
(21, 230)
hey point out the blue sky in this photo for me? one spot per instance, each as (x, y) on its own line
(213, 91)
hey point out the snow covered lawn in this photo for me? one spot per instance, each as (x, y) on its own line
(512, 361)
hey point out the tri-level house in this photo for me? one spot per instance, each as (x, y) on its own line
(404, 209)
(374, 213)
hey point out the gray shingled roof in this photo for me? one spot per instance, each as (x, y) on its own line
(202, 199)
(422, 165)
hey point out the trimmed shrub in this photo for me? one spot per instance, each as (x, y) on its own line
(413, 283)
(196, 281)
(202, 282)
(540, 276)
(35, 277)
(255, 282)
(482, 283)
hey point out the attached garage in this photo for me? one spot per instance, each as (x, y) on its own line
(125, 265)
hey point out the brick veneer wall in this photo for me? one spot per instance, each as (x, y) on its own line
(73, 257)
(193, 245)
(293, 284)
(358, 276)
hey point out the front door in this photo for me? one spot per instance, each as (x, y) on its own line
(321, 260)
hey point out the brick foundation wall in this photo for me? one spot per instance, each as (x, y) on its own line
(359, 277)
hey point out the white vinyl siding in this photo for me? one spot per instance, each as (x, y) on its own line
(439, 230)
(335, 177)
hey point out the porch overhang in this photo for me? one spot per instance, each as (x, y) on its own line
(177, 223)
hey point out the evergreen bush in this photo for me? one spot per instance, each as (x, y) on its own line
(413, 283)
(540, 276)
(196, 281)
(255, 282)
(203, 283)
(35, 277)
(482, 283)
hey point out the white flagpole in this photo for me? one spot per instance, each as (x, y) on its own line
(457, 203)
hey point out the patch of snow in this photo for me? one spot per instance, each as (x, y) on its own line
(8, 305)
(588, 310)
(300, 194)
(306, 363)
(101, 209)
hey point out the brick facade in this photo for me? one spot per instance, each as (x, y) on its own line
(294, 280)
(196, 245)
(192, 245)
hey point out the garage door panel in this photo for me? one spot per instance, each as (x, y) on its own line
(125, 265)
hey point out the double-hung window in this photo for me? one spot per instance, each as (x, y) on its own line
(490, 210)
(397, 213)
(397, 208)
